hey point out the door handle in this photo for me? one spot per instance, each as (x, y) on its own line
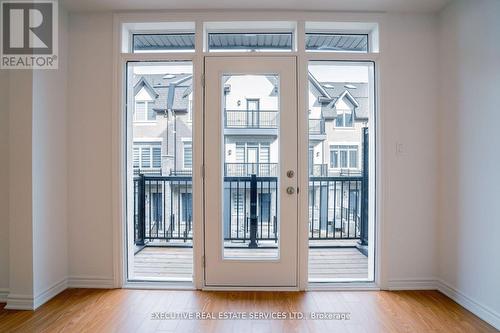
(290, 190)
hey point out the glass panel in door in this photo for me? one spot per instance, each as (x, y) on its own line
(341, 215)
(159, 222)
(245, 227)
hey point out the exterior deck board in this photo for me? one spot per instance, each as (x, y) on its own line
(176, 262)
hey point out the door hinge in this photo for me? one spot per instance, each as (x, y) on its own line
(203, 80)
(203, 260)
(203, 171)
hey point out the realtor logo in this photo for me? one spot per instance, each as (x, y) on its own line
(29, 34)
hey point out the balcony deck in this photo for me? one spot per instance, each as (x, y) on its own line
(176, 263)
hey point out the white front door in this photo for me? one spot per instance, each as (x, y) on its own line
(250, 216)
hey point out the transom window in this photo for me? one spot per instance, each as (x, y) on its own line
(344, 157)
(261, 41)
(335, 42)
(250, 36)
(163, 42)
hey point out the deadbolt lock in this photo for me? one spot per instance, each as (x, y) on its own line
(290, 173)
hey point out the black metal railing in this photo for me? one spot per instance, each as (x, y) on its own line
(316, 126)
(162, 208)
(147, 171)
(250, 209)
(364, 192)
(335, 207)
(247, 169)
(185, 172)
(338, 209)
(251, 119)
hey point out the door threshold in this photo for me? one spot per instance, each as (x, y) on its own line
(163, 285)
(342, 286)
(243, 288)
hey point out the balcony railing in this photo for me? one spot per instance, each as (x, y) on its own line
(251, 119)
(316, 126)
(147, 171)
(250, 209)
(247, 169)
(185, 172)
(335, 207)
(163, 209)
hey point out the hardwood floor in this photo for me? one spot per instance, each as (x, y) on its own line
(176, 263)
(122, 310)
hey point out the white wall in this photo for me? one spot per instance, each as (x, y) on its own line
(89, 148)
(470, 115)
(50, 173)
(20, 188)
(4, 184)
(408, 115)
(33, 188)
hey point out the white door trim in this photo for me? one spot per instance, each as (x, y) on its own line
(199, 17)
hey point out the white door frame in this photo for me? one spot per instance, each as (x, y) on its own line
(369, 21)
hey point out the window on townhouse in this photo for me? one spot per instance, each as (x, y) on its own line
(190, 108)
(188, 155)
(344, 118)
(344, 157)
(147, 156)
(251, 158)
(144, 111)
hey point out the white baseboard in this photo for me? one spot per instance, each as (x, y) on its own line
(29, 302)
(20, 302)
(4, 292)
(483, 312)
(49, 293)
(94, 282)
(412, 284)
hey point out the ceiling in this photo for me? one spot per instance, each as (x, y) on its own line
(422, 6)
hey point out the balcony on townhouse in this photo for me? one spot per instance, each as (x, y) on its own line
(317, 129)
(251, 122)
(248, 169)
